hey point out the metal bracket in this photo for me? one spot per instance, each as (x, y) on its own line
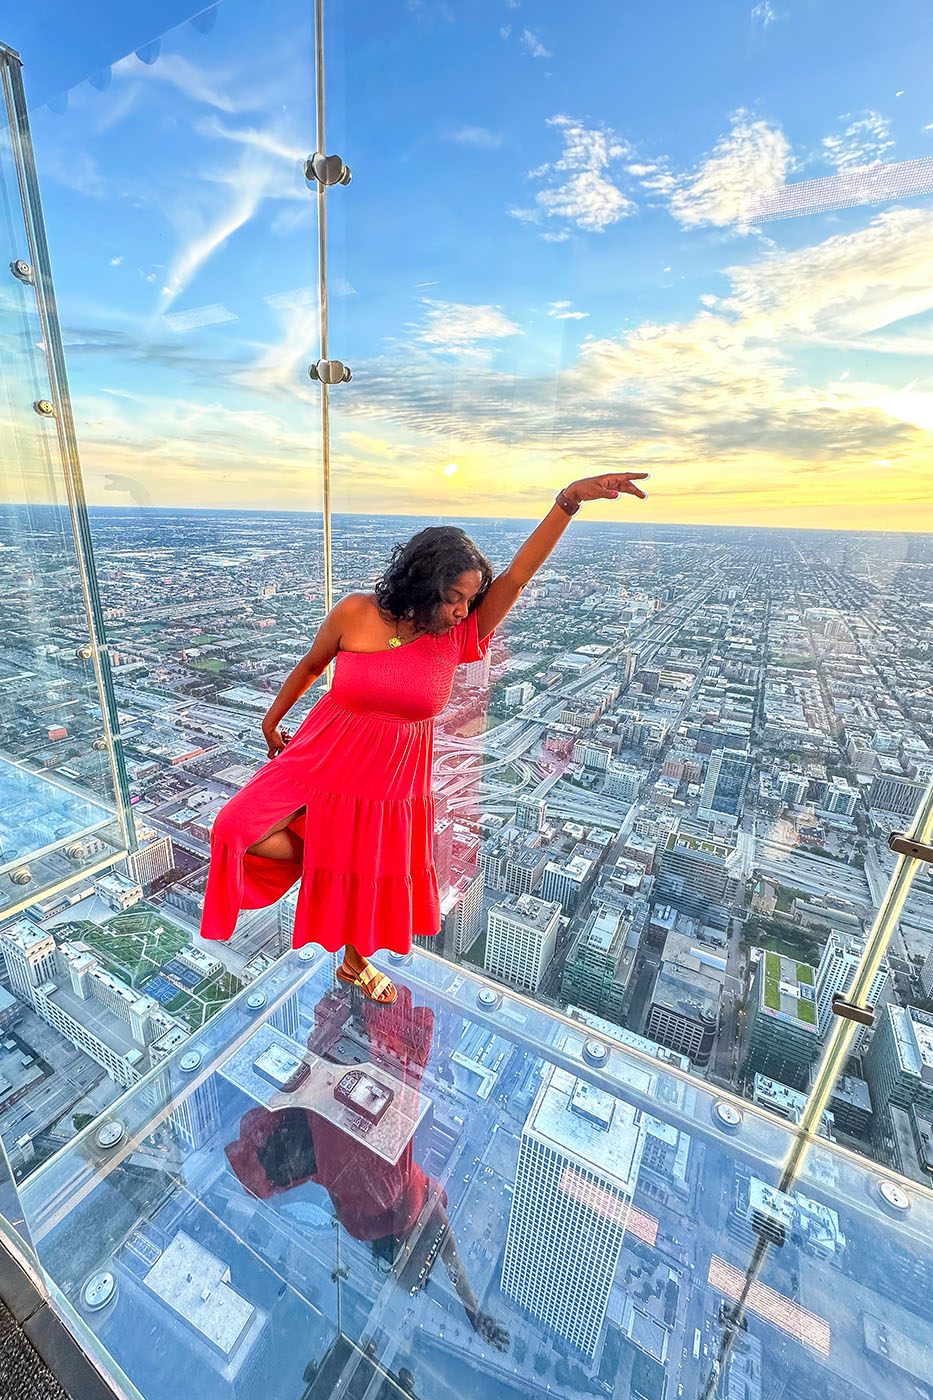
(330, 372)
(903, 845)
(851, 1011)
(327, 170)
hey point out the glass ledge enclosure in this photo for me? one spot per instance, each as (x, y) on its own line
(63, 792)
(460, 1195)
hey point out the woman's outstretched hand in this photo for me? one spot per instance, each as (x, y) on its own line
(601, 488)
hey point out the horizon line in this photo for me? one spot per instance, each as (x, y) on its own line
(383, 515)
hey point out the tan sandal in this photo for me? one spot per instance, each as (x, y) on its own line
(371, 982)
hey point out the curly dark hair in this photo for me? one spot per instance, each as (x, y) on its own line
(419, 571)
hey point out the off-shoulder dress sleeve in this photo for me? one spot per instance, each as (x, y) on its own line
(471, 648)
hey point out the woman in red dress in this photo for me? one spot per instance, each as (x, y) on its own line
(346, 807)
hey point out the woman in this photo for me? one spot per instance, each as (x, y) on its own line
(347, 806)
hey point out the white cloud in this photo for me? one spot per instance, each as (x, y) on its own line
(848, 286)
(577, 189)
(763, 14)
(865, 141)
(115, 262)
(79, 172)
(261, 139)
(280, 367)
(206, 215)
(372, 446)
(561, 312)
(754, 156)
(188, 79)
(476, 136)
(533, 45)
(199, 316)
(455, 327)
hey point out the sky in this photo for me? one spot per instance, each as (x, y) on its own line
(578, 240)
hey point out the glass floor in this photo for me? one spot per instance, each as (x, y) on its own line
(465, 1195)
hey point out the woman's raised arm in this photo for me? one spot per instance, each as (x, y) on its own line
(502, 593)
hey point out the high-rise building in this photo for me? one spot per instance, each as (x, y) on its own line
(29, 958)
(724, 789)
(195, 1111)
(567, 882)
(461, 914)
(898, 796)
(531, 813)
(66, 985)
(695, 871)
(218, 1339)
(783, 1036)
(793, 788)
(153, 857)
(285, 920)
(684, 1009)
(521, 935)
(622, 781)
(599, 966)
(926, 974)
(899, 1070)
(443, 852)
(786, 1102)
(577, 1168)
(838, 798)
(841, 955)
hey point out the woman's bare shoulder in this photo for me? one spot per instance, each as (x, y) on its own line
(360, 621)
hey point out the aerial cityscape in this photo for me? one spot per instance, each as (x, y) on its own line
(663, 804)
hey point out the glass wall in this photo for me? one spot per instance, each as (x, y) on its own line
(170, 148)
(62, 786)
(589, 244)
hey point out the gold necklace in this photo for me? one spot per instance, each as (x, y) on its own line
(396, 641)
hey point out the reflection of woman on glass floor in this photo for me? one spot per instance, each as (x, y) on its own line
(393, 1206)
(347, 807)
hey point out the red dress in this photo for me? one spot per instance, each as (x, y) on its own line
(361, 765)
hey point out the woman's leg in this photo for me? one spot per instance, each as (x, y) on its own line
(279, 843)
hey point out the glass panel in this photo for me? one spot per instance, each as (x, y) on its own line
(700, 721)
(470, 1195)
(189, 314)
(189, 330)
(59, 823)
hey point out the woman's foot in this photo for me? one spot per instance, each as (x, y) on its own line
(359, 972)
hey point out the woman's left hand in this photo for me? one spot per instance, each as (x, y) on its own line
(599, 488)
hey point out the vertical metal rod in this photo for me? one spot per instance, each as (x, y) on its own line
(320, 147)
(322, 298)
(24, 160)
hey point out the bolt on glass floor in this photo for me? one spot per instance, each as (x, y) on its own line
(462, 1194)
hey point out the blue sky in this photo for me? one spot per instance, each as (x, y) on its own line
(557, 257)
